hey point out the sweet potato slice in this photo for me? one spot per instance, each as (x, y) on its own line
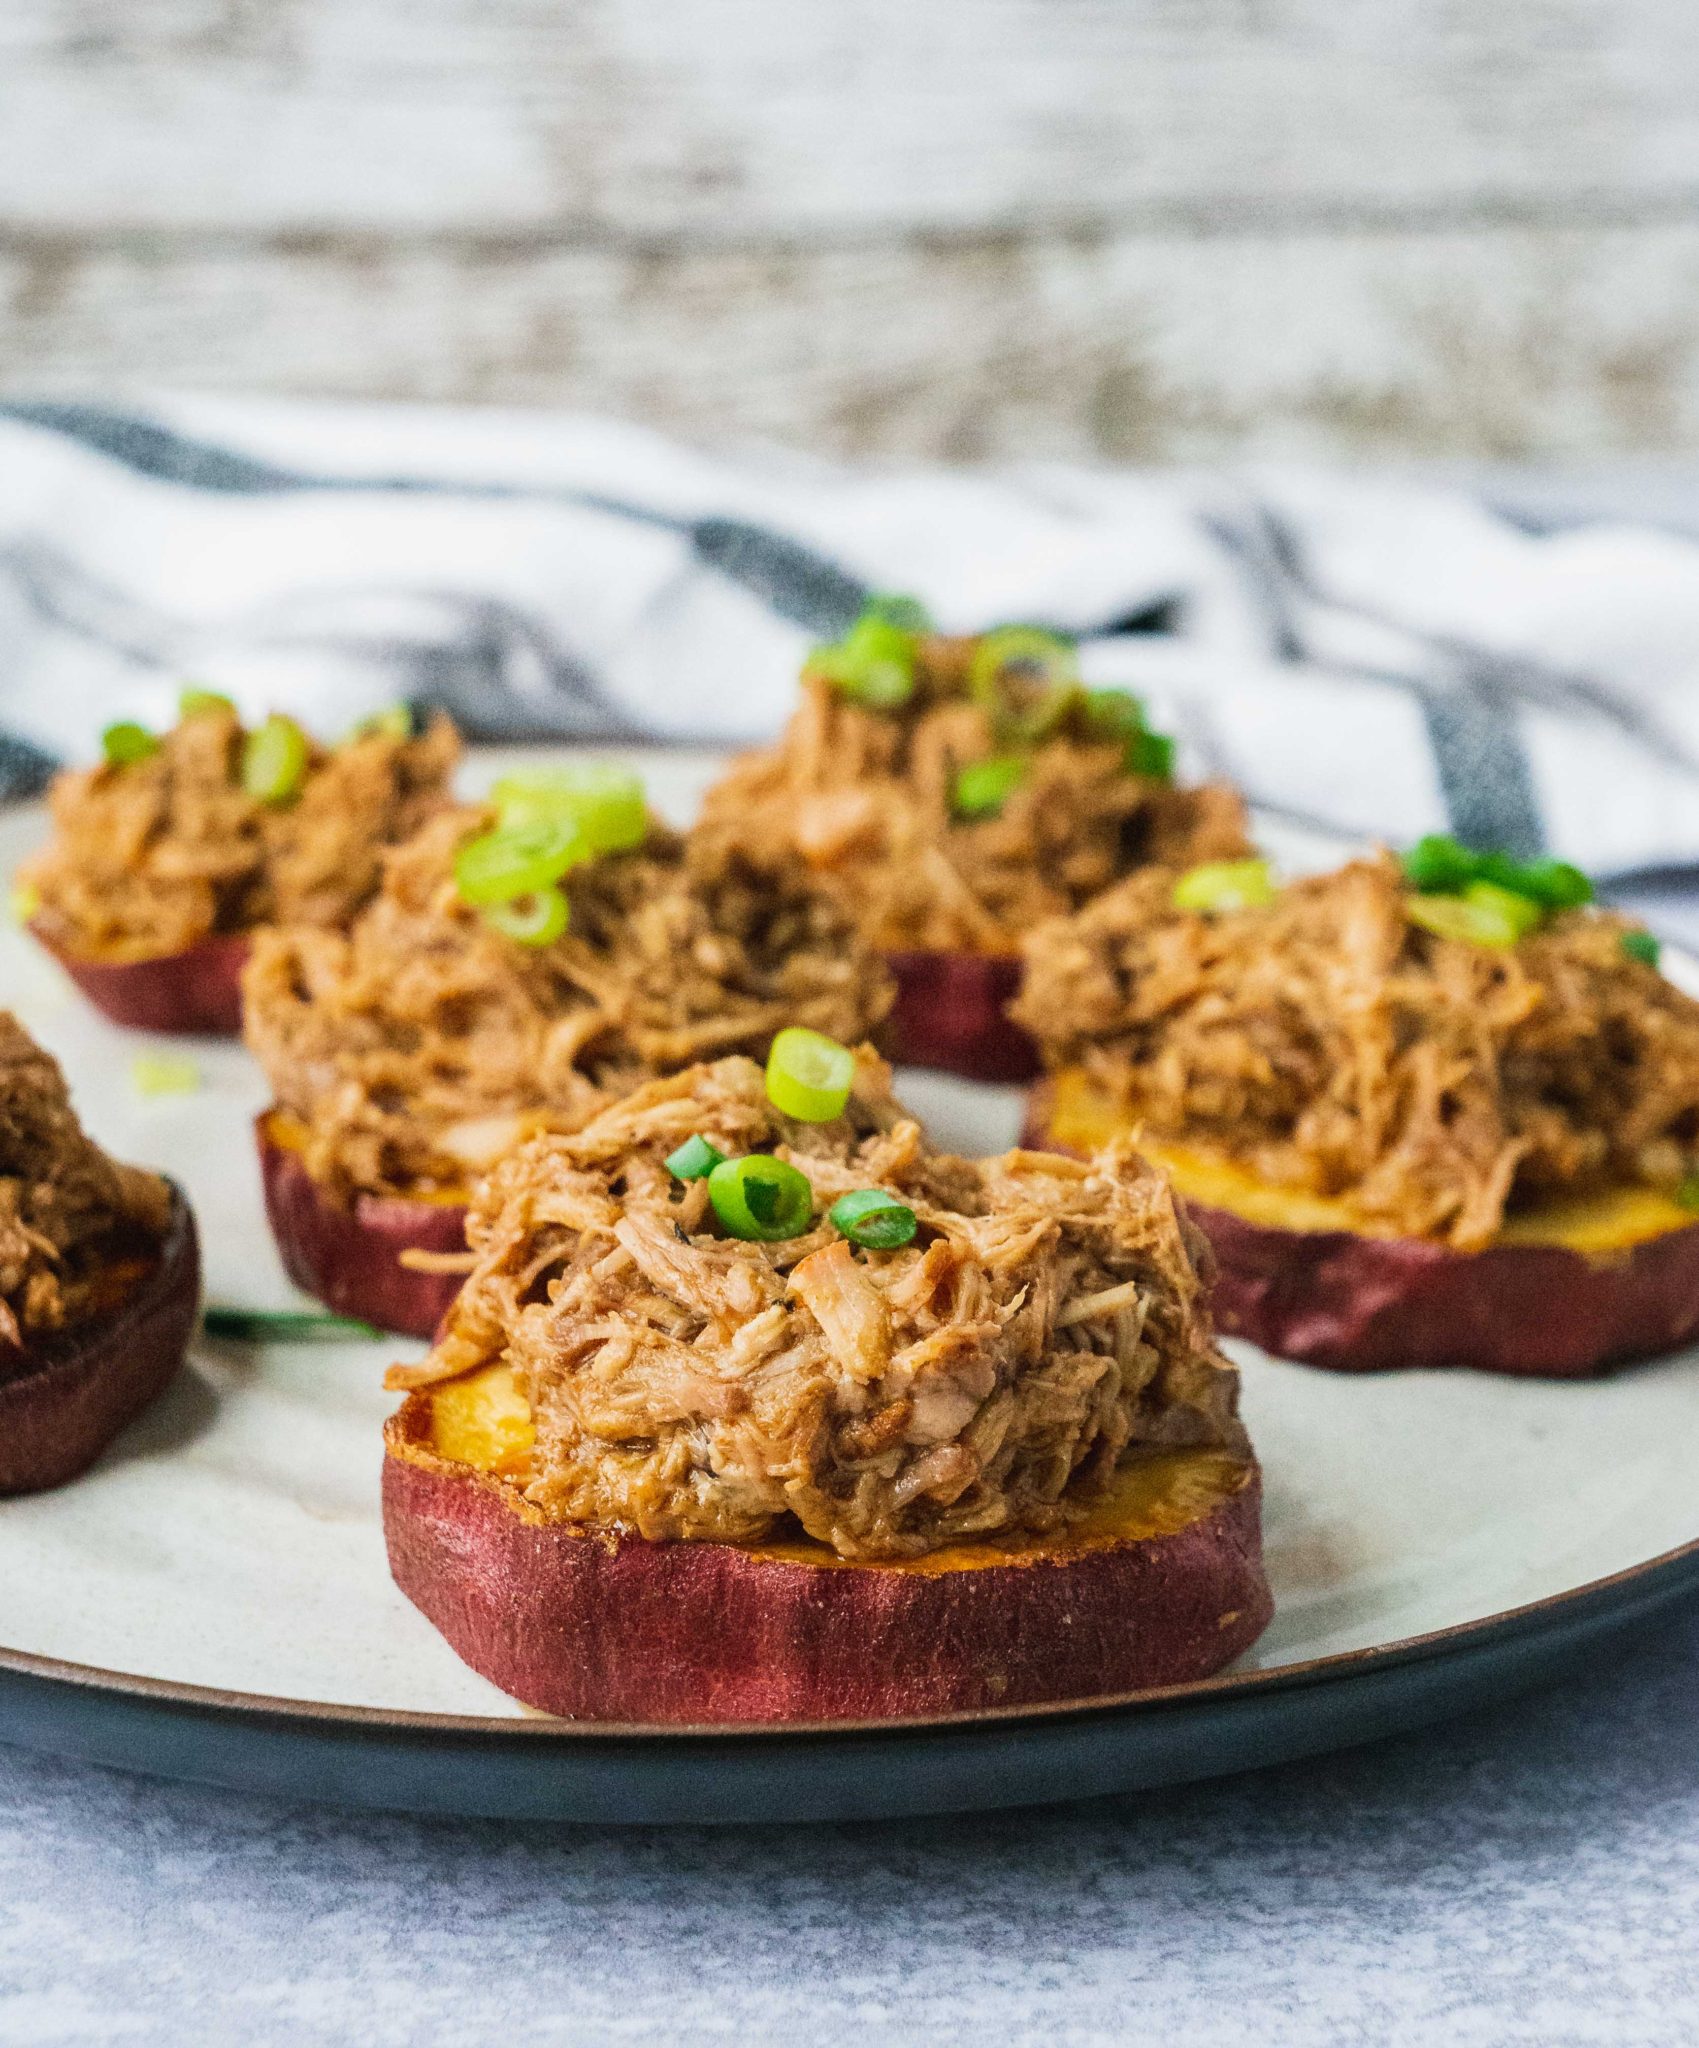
(1564, 1292)
(199, 990)
(951, 1013)
(63, 1400)
(349, 1255)
(1163, 1585)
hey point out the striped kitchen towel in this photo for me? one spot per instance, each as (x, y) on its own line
(1383, 657)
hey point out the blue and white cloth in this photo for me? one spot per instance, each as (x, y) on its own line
(1386, 658)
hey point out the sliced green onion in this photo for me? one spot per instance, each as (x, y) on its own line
(535, 919)
(899, 608)
(874, 663)
(192, 700)
(1027, 680)
(516, 860)
(761, 1198)
(1688, 1192)
(280, 1326)
(274, 760)
(809, 1076)
(1484, 915)
(126, 742)
(1111, 714)
(163, 1073)
(393, 722)
(695, 1159)
(1225, 885)
(1643, 947)
(24, 902)
(875, 1219)
(1438, 865)
(1150, 754)
(1553, 884)
(604, 804)
(982, 788)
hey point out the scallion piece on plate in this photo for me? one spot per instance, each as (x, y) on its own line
(1484, 915)
(874, 663)
(1216, 885)
(695, 1159)
(274, 760)
(809, 1075)
(874, 1219)
(281, 1326)
(535, 919)
(126, 742)
(164, 1073)
(1150, 754)
(1643, 947)
(982, 788)
(761, 1198)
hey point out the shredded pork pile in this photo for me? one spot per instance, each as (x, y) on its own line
(864, 797)
(418, 1045)
(1331, 1045)
(68, 1213)
(1045, 1321)
(152, 856)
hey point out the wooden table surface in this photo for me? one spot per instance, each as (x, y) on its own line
(1123, 228)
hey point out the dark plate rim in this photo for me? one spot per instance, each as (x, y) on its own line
(1657, 1575)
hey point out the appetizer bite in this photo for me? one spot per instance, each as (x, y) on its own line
(521, 961)
(99, 1279)
(956, 793)
(756, 1408)
(167, 856)
(1443, 1112)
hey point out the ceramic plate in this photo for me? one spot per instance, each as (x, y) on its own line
(212, 1600)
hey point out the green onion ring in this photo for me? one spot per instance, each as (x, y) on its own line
(874, 1219)
(809, 1076)
(761, 1198)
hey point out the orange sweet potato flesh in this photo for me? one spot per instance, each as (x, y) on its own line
(63, 1401)
(1162, 1588)
(951, 1014)
(1564, 1294)
(199, 990)
(349, 1255)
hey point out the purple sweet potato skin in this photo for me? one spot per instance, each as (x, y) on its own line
(349, 1257)
(1364, 1304)
(61, 1405)
(625, 1630)
(950, 1014)
(194, 992)
(1376, 1304)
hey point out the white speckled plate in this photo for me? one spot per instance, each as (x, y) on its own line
(212, 1599)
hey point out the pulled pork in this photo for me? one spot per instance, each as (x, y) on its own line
(864, 797)
(1045, 1322)
(417, 1046)
(1331, 1045)
(151, 857)
(69, 1215)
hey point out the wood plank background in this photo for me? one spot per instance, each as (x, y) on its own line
(1122, 228)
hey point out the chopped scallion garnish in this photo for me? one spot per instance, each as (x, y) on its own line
(274, 760)
(1643, 947)
(982, 788)
(126, 742)
(809, 1076)
(1218, 885)
(874, 1219)
(695, 1159)
(761, 1198)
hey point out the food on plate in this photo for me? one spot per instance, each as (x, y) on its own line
(958, 791)
(168, 854)
(99, 1278)
(522, 960)
(755, 1407)
(1437, 1112)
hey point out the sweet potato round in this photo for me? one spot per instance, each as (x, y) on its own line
(1356, 1303)
(63, 1401)
(620, 1629)
(349, 1256)
(951, 1013)
(199, 990)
